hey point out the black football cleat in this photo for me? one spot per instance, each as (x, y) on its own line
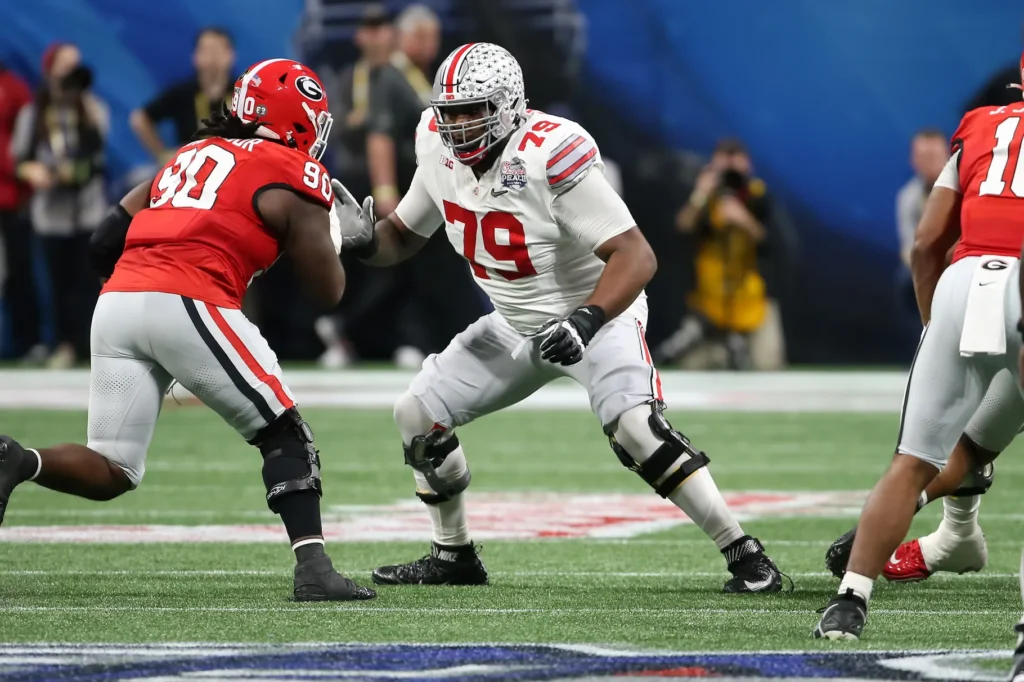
(838, 554)
(1017, 674)
(752, 570)
(12, 458)
(443, 566)
(316, 580)
(843, 618)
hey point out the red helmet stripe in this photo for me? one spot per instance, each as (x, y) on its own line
(245, 85)
(453, 67)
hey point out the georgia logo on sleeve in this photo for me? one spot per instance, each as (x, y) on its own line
(309, 88)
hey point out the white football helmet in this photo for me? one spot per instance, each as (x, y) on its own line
(487, 76)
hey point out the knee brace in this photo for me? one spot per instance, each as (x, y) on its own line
(290, 462)
(979, 479)
(643, 423)
(426, 454)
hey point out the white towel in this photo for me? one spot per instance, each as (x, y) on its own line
(984, 331)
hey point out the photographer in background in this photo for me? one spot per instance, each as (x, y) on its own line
(728, 213)
(191, 101)
(58, 144)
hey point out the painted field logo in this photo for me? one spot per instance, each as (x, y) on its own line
(492, 516)
(479, 662)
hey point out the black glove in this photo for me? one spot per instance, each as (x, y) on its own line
(565, 340)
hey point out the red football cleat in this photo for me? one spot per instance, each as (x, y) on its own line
(906, 565)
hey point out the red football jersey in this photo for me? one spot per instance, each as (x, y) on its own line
(202, 235)
(991, 170)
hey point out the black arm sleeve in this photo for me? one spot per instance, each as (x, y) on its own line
(107, 243)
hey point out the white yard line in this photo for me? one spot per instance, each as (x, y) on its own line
(365, 609)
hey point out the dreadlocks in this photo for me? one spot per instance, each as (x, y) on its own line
(222, 124)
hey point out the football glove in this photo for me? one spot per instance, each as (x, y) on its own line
(355, 224)
(565, 340)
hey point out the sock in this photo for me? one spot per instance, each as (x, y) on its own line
(960, 515)
(921, 501)
(308, 549)
(31, 466)
(745, 546)
(699, 498)
(861, 585)
(450, 553)
(300, 513)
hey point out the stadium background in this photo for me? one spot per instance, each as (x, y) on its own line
(827, 95)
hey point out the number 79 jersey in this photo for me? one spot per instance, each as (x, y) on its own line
(528, 239)
(987, 167)
(202, 236)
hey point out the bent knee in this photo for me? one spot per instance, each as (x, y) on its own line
(125, 473)
(633, 432)
(411, 418)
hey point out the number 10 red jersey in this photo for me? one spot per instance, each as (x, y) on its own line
(202, 235)
(991, 170)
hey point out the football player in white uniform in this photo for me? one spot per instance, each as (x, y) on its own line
(522, 196)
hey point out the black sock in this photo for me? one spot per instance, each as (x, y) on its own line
(310, 551)
(741, 548)
(300, 513)
(452, 552)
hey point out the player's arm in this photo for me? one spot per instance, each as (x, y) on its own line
(107, 243)
(935, 235)
(303, 229)
(395, 238)
(595, 214)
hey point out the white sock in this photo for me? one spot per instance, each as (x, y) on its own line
(960, 515)
(861, 585)
(922, 500)
(39, 463)
(448, 519)
(700, 499)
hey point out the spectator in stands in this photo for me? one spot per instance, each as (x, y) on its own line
(17, 282)
(59, 142)
(400, 92)
(929, 152)
(190, 101)
(729, 214)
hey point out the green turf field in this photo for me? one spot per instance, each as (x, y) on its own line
(657, 589)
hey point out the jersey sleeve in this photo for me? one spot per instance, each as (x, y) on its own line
(426, 136)
(300, 173)
(570, 160)
(417, 209)
(591, 211)
(950, 175)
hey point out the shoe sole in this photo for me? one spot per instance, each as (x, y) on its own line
(837, 636)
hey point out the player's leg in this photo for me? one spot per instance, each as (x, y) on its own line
(475, 375)
(958, 545)
(625, 394)
(222, 358)
(943, 392)
(125, 394)
(968, 473)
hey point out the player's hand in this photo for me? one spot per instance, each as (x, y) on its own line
(355, 224)
(565, 340)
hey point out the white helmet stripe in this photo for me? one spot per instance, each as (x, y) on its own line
(245, 85)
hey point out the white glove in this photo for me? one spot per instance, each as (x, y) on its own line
(355, 229)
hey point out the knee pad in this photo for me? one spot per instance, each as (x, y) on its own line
(646, 443)
(290, 462)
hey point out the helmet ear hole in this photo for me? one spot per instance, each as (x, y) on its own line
(299, 128)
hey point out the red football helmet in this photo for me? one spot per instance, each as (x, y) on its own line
(1019, 86)
(288, 101)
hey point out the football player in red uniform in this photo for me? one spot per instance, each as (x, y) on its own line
(968, 344)
(179, 254)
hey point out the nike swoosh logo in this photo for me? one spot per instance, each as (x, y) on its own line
(497, 193)
(759, 585)
(893, 559)
(984, 284)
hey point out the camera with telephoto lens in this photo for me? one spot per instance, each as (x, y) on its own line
(733, 180)
(78, 80)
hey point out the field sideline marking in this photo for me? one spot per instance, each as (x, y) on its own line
(189, 573)
(358, 608)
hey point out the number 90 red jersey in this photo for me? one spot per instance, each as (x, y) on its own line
(202, 235)
(991, 177)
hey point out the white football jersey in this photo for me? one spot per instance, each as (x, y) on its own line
(528, 239)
